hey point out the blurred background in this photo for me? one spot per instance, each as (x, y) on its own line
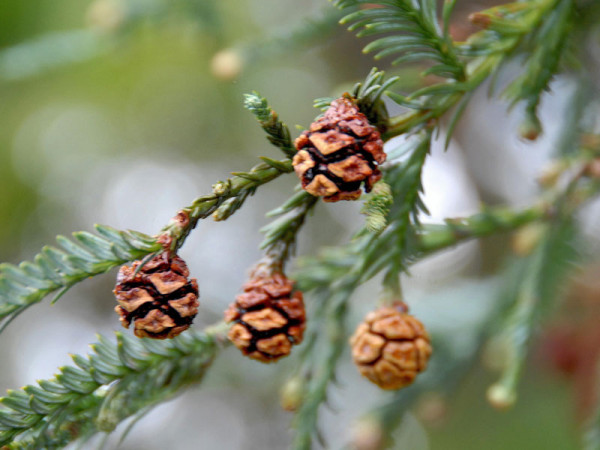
(122, 111)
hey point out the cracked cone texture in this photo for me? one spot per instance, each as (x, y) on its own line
(268, 318)
(339, 152)
(391, 347)
(160, 300)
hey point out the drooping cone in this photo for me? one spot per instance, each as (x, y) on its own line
(268, 317)
(391, 347)
(339, 152)
(160, 300)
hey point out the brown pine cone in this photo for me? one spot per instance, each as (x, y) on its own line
(160, 299)
(339, 151)
(268, 318)
(391, 347)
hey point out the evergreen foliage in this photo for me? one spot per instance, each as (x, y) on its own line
(114, 382)
(56, 269)
(277, 132)
(126, 378)
(412, 31)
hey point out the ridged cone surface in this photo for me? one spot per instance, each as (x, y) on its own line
(160, 300)
(268, 318)
(339, 152)
(391, 347)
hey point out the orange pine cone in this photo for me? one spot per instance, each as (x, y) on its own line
(391, 347)
(160, 299)
(339, 152)
(268, 318)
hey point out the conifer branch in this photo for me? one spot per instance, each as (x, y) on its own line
(417, 33)
(332, 276)
(487, 50)
(56, 270)
(277, 132)
(429, 104)
(543, 60)
(104, 388)
(505, 26)
(227, 197)
(281, 234)
(537, 290)
(490, 221)
(318, 370)
(405, 184)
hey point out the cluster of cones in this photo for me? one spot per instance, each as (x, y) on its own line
(337, 156)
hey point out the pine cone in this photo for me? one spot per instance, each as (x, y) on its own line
(391, 347)
(339, 151)
(268, 318)
(160, 299)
